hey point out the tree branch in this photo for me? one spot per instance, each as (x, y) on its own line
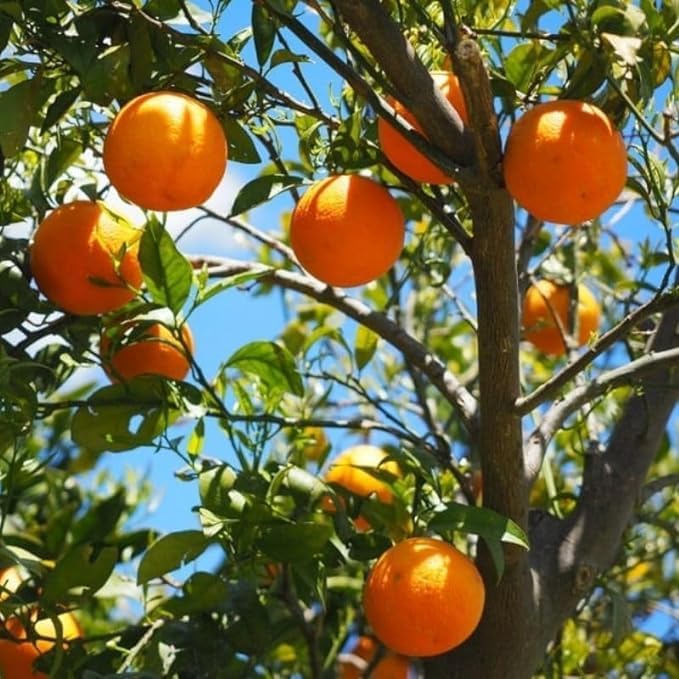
(627, 374)
(413, 351)
(414, 87)
(573, 552)
(552, 386)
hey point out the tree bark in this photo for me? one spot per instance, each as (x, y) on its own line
(539, 589)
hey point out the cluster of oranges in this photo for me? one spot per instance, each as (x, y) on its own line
(163, 151)
(422, 597)
(564, 162)
(28, 637)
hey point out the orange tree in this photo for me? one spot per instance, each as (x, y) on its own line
(555, 473)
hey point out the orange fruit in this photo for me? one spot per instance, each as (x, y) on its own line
(544, 303)
(565, 162)
(19, 651)
(423, 597)
(165, 151)
(131, 350)
(401, 152)
(347, 230)
(84, 258)
(390, 666)
(350, 470)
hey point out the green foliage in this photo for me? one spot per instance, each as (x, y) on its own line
(286, 594)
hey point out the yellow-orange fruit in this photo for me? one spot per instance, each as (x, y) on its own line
(565, 162)
(165, 151)
(84, 258)
(154, 351)
(401, 152)
(544, 303)
(350, 470)
(18, 648)
(390, 666)
(347, 230)
(423, 597)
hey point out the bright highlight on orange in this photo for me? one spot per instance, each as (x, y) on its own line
(347, 230)
(565, 162)
(165, 151)
(423, 597)
(84, 258)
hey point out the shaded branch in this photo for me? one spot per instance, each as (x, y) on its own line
(551, 387)
(627, 374)
(414, 87)
(413, 351)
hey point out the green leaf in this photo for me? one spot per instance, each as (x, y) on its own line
(59, 107)
(101, 519)
(290, 542)
(263, 31)
(202, 592)
(204, 294)
(123, 416)
(365, 346)
(12, 9)
(167, 273)
(272, 363)
(283, 56)
(64, 155)
(239, 143)
(83, 567)
(523, 64)
(18, 108)
(480, 521)
(141, 51)
(261, 190)
(171, 552)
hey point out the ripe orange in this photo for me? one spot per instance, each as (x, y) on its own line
(165, 151)
(547, 301)
(423, 597)
(565, 162)
(401, 152)
(347, 230)
(131, 350)
(349, 470)
(18, 650)
(390, 666)
(84, 258)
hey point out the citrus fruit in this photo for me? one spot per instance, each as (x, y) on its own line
(423, 597)
(84, 258)
(401, 152)
(138, 347)
(565, 162)
(165, 151)
(390, 666)
(351, 469)
(347, 230)
(20, 650)
(544, 303)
